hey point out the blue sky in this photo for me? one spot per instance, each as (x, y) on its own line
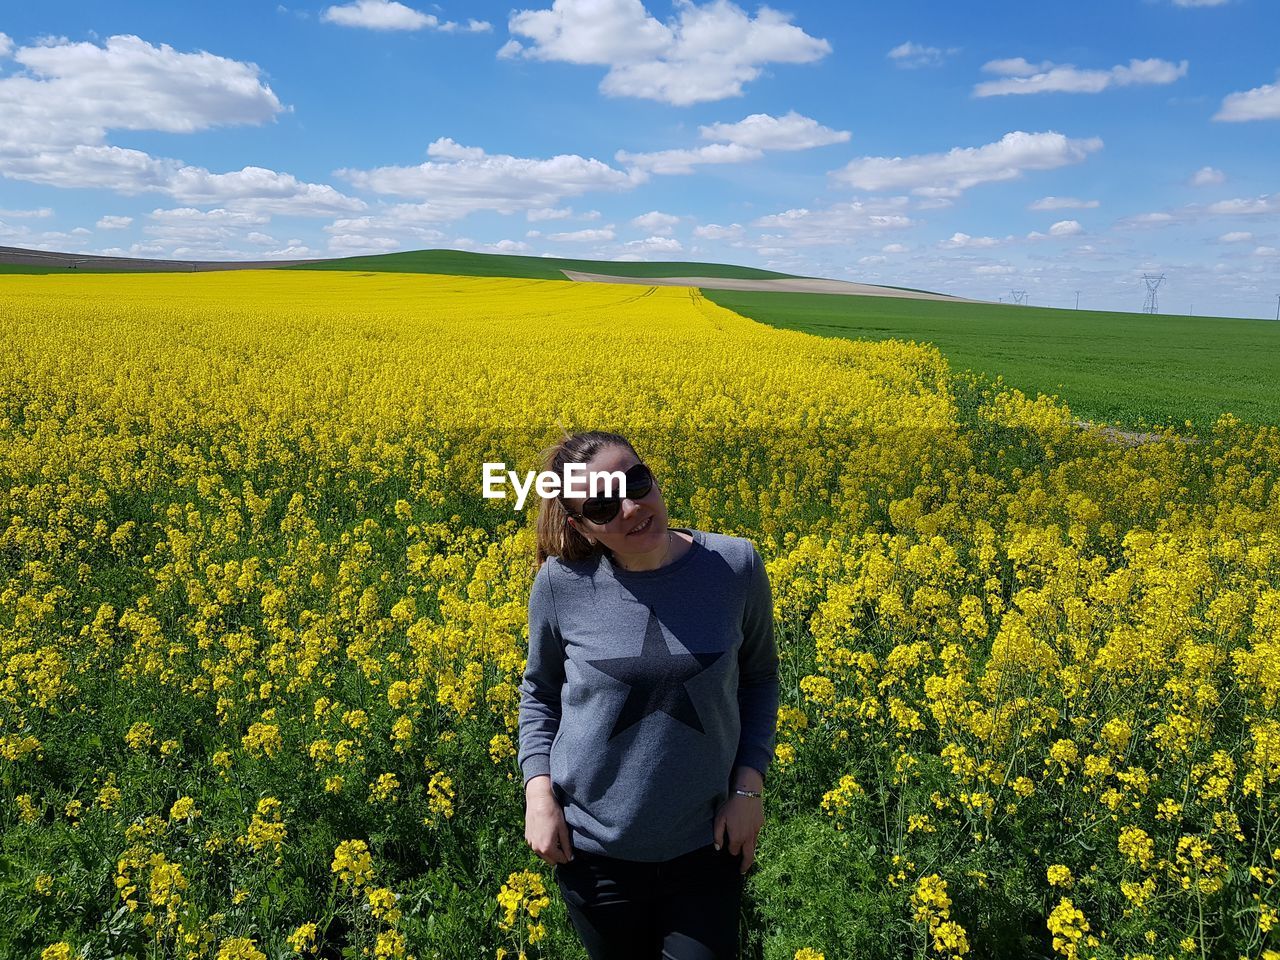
(969, 148)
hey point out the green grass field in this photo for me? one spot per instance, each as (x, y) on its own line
(1127, 369)
(463, 263)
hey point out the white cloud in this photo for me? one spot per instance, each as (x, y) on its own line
(560, 213)
(390, 15)
(1236, 236)
(747, 140)
(656, 222)
(703, 53)
(1019, 76)
(548, 213)
(261, 190)
(1207, 177)
(994, 270)
(446, 148)
(1066, 228)
(502, 246)
(895, 248)
(113, 223)
(294, 250)
(940, 174)
(1266, 252)
(1199, 3)
(836, 224)
(683, 161)
(393, 227)
(1265, 204)
(25, 214)
(714, 231)
(1156, 219)
(220, 216)
(6, 45)
(1016, 67)
(870, 260)
(1260, 103)
(378, 15)
(75, 92)
(354, 245)
(1063, 203)
(654, 245)
(215, 234)
(467, 179)
(911, 54)
(764, 132)
(598, 235)
(964, 241)
(57, 116)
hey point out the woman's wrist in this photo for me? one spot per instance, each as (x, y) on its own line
(538, 786)
(748, 778)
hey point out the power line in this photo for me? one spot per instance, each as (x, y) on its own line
(1152, 304)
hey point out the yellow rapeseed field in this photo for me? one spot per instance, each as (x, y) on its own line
(260, 635)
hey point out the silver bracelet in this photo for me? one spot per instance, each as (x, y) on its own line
(748, 793)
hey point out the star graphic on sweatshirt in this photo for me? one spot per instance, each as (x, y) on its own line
(657, 680)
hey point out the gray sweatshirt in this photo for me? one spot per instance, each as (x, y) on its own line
(644, 690)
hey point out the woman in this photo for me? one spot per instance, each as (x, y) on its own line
(647, 714)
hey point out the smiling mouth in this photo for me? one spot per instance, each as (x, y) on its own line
(642, 528)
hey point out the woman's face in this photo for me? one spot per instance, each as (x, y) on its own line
(640, 528)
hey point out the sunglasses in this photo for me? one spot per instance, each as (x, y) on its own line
(600, 510)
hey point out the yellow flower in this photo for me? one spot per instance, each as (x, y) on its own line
(240, 948)
(352, 863)
(383, 790)
(1136, 845)
(523, 894)
(266, 827)
(1059, 875)
(140, 736)
(263, 739)
(1068, 925)
(303, 939)
(184, 808)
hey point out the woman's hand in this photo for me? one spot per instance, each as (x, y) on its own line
(738, 823)
(544, 827)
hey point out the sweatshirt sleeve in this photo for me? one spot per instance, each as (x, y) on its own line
(757, 673)
(543, 679)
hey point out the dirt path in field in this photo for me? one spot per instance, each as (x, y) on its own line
(788, 285)
(1127, 437)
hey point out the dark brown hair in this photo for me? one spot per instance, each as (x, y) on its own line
(556, 538)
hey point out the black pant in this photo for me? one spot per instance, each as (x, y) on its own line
(681, 909)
